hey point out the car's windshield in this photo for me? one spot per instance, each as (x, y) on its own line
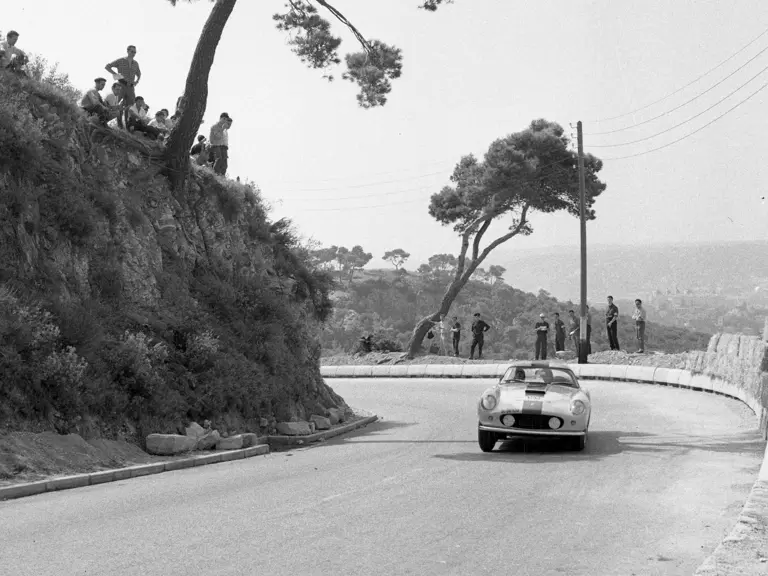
(535, 375)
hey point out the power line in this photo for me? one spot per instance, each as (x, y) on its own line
(597, 121)
(436, 162)
(695, 131)
(683, 122)
(368, 185)
(683, 104)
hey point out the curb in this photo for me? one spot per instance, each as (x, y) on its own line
(280, 440)
(751, 528)
(94, 478)
(261, 447)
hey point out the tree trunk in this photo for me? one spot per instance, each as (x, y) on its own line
(195, 99)
(445, 306)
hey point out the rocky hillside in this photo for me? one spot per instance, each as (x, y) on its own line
(126, 309)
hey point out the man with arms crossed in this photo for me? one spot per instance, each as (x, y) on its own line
(639, 317)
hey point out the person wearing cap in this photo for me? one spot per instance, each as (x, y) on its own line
(93, 103)
(127, 69)
(11, 58)
(542, 329)
(219, 140)
(478, 328)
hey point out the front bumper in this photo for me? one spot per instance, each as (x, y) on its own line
(526, 432)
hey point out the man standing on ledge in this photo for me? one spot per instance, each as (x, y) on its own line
(612, 324)
(639, 317)
(542, 329)
(456, 330)
(219, 141)
(126, 69)
(559, 333)
(479, 328)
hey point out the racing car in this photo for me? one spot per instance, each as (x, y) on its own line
(535, 398)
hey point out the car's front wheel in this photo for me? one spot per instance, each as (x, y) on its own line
(487, 440)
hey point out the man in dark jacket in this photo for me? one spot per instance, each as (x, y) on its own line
(559, 333)
(612, 324)
(542, 329)
(479, 328)
(456, 331)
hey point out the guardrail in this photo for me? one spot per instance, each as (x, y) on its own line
(748, 539)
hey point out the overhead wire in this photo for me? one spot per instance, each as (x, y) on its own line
(695, 131)
(681, 105)
(683, 122)
(598, 120)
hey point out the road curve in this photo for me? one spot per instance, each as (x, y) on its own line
(661, 482)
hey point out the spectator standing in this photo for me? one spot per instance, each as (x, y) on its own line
(612, 324)
(219, 140)
(93, 103)
(127, 69)
(542, 329)
(456, 331)
(639, 317)
(573, 329)
(479, 328)
(559, 333)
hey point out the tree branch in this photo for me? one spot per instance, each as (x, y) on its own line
(479, 236)
(465, 245)
(343, 19)
(513, 233)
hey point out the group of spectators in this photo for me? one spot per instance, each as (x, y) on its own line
(439, 329)
(574, 329)
(122, 109)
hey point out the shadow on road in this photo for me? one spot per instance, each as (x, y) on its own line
(603, 443)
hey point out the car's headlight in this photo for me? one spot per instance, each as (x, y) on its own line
(488, 401)
(577, 407)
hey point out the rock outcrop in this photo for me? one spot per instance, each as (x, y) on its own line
(169, 444)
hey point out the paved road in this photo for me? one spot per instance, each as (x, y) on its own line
(660, 483)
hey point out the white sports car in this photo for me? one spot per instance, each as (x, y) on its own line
(538, 398)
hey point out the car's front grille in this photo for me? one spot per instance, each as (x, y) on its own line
(533, 421)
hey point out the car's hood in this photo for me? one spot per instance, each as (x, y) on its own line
(547, 392)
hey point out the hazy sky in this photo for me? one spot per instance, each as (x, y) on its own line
(474, 71)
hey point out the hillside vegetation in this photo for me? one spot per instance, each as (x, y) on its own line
(388, 303)
(126, 309)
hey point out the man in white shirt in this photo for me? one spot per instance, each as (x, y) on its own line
(11, 58)
(219, 140)
(137, 119)
(639, 317)
(92, 102)
(159, 121)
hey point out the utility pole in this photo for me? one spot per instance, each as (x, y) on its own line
(583, 218)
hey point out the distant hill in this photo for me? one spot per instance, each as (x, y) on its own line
(388, 304)
(626, 272)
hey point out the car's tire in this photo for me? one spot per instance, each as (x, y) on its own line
(487, 440)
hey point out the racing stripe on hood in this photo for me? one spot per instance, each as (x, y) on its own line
(533, 406)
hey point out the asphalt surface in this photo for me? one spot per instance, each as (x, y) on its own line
(661, 482)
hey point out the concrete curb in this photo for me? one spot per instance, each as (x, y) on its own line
(749, 537)
(81, 480)
(324, 435)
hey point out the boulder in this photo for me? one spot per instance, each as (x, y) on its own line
(335, 415)
(321, 422)
(194, 430)
(230, 443)
(293, 428)
(169, 444)
(249, 439)
(209, 440)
